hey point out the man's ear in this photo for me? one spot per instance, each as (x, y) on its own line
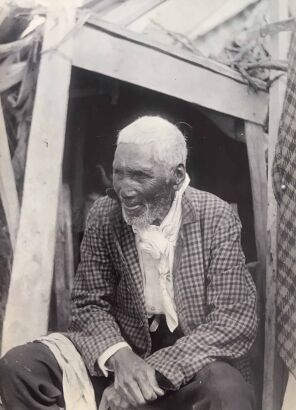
(179, 176)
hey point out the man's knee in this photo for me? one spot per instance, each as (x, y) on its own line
(224, 384)
(23, 361)
(14, 362)
(30, 378)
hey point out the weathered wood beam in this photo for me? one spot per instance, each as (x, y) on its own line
(223, 13)
(28, 300)
(254, 135)
(69, 251)
(8, 191)
(100, 7)
(273, 368)
(143, 65)
(145, 41)
(130, 10)
(64, 262)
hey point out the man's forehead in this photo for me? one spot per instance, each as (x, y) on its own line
(138, 154)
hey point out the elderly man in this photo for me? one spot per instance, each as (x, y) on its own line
(164, 310)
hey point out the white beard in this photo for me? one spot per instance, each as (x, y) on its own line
(147, 217)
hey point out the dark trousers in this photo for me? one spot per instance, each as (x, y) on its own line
(30, 379)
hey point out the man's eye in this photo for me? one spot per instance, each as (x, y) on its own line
(140, 175)
(134, 174)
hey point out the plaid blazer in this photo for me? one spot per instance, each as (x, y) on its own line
(214, 294)
(284, 184)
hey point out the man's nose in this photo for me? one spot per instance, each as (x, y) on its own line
(126, 190)
(127, 193)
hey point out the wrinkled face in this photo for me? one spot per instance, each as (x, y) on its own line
(143, 185)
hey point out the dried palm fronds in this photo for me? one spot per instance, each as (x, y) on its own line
(11, 75)
(247, 54)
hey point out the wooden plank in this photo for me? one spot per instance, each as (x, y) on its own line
(64, 263)
(257, 350)
(130, 10)
(61, 305)
(273, 370)
(28, 300)
(8, 191)
(254, 135)
(144, 40)
(221, 15)
(177, 17)
(101, 7)
(69, 251)
(256, 154)
(150, 68)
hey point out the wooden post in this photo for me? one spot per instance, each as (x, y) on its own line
(258, 172)
(8, 191)
(64, 262)
(60, 319)
(257, 163)
(273, 368)
(69, 252)
(29, 293)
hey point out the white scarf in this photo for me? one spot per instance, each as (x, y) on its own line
(77, 387)
(159, 242)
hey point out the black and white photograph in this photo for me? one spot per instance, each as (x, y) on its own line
(147, 205)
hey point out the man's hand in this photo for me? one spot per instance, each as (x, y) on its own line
(111, 400)
(135, 380)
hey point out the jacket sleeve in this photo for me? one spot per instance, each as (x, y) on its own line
(230, 325)
(93, 328)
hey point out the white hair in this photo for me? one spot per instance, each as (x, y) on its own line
(168, 140)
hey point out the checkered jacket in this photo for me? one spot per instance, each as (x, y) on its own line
(284, 183)
(214, 293)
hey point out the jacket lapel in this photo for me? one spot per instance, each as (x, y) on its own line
(126, 246)
(131, 259)
(184, 273)
(188, 216)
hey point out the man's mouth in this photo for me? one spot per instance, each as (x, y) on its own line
(131, 207)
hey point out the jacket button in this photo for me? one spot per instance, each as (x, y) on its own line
(283, 187)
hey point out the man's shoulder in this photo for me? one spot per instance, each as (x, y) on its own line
(203, 200)
(208, 205)
(103, 211)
